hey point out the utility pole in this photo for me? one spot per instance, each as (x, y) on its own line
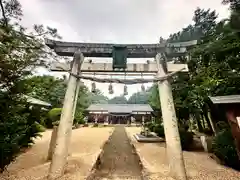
(60, 154)
(174, 149)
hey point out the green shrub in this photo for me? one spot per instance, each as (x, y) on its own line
(85, 125)
(53, 116)
(18, 127)
(159, 130)
(224, 148)
(40, 127)
(79, 118)
(186, 138)
(95, 125)
(150, 126)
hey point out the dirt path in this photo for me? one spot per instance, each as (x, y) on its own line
(199, 165)
(119, 160)
(86, 144)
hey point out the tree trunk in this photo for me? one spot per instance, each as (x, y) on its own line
(202, 121)
(198, 120)
(208, 119)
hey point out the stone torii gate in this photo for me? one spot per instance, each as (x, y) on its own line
(161, 52)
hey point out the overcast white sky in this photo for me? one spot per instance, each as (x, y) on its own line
(115, 21)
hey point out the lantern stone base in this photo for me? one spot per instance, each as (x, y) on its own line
(150, 138)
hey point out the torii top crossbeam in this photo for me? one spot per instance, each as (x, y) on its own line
(105, 50)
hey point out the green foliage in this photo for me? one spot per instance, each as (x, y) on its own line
(21, 52)
(138, 98)
(153, 97)
(224, 148)
(18, 127)
(186, 138)
(118, 100)
(46, 88)
(79, 118)
(213, 67)
(150, 126)
(159, 130)
(40, 128)
(235, 13)
(95, 125)
(53, 116)
(96, 98)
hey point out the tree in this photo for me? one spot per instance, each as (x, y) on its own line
(235, 14)
(118, 100)
(46, 88)
(153, 97)
(97, 97)
(213, 67)
(20, 53)
(138, 98)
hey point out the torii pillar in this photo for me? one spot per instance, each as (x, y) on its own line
(60, 154)
(174, 149)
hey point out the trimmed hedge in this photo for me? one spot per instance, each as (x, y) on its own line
(185, 136)
(79, 118)
(159, 130)
(53, 117)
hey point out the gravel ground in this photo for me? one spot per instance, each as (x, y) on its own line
(86, 144)
(198, 164)
(118, 161)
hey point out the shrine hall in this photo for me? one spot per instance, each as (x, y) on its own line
(119, 113)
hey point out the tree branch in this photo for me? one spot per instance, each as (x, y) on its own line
(3, 13)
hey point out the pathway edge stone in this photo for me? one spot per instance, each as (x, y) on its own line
(98, 157)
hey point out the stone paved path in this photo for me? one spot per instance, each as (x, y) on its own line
(119, 160)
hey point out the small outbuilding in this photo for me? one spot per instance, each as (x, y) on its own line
(228, 107)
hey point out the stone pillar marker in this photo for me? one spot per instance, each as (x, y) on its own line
(174, 149)
(52, 143)
(60, 154)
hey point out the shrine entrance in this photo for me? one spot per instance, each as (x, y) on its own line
(163, 53)
(119, 118)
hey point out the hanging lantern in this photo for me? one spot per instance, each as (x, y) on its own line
(110, 89)
(93, 87)
(125, 92)
(143, 88)
(93, 90)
